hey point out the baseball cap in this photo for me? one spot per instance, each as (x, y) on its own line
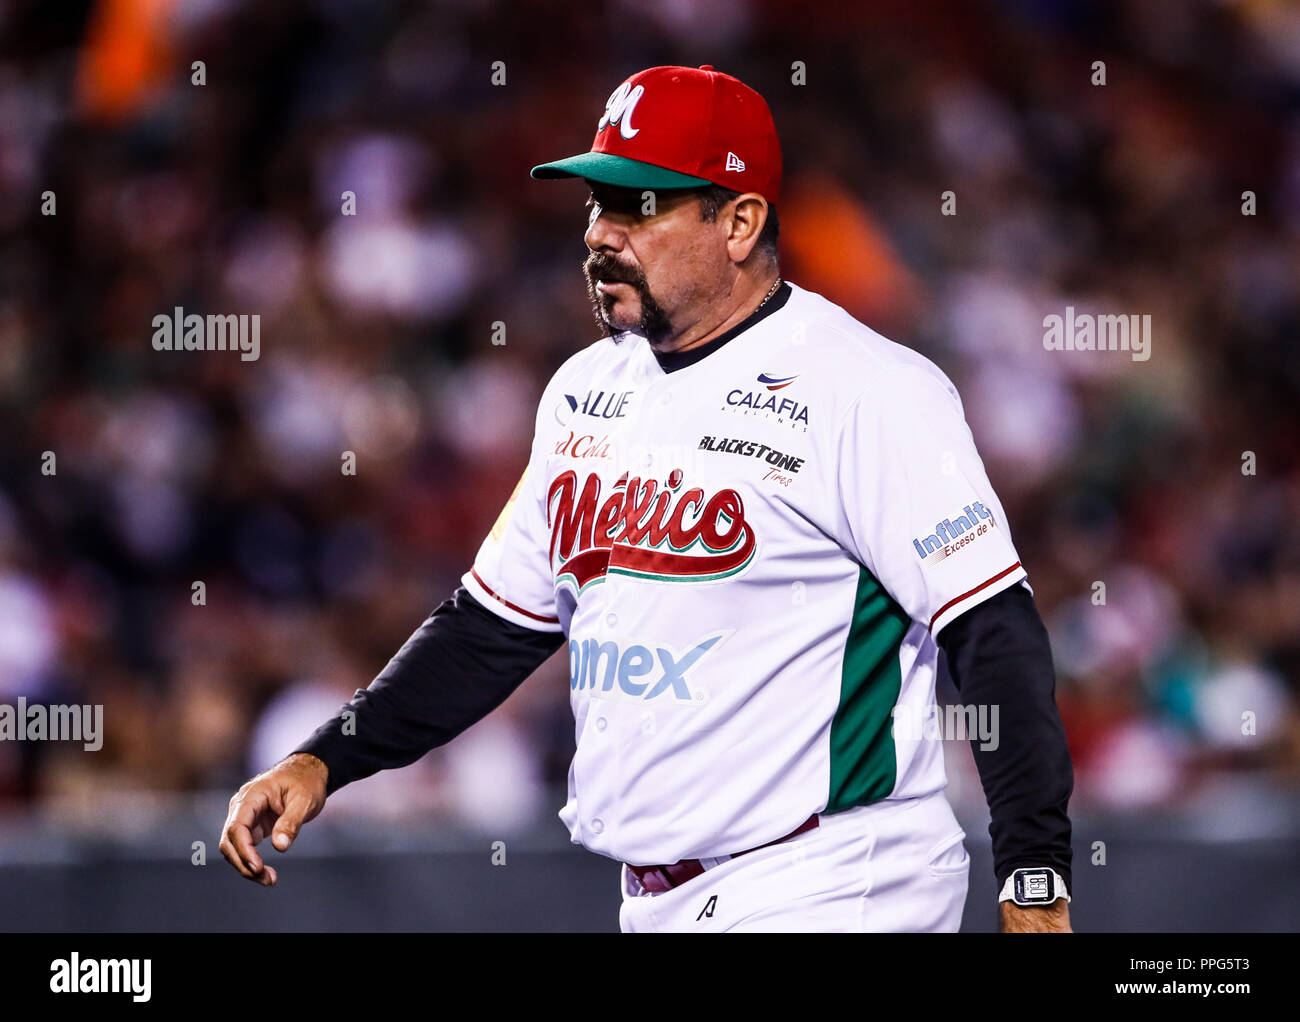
(681, 127)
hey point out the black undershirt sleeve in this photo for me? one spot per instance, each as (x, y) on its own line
(455, 669)
(998, 655)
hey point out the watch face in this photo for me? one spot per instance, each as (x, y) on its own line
(1033, 886)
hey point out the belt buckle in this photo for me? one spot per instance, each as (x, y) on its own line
(665, 877)
(653, 879)
(668, 874)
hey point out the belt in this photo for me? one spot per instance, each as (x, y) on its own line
(658, 879)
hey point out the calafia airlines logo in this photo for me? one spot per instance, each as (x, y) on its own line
(765, 404)
(775, 382)
(645, 530)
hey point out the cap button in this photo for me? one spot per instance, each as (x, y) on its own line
(706, 67)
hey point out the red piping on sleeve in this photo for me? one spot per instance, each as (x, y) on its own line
(957, 599)
(520, 610)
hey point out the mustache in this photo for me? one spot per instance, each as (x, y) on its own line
(602, 266)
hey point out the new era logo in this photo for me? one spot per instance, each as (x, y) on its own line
(734, 162)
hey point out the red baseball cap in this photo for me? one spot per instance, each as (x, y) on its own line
(681, 127)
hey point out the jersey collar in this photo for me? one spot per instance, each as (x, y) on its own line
(670, 361)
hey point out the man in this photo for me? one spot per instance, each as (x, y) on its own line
(756, 522)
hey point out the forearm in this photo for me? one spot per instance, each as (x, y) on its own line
(998, 655)
(458, 666)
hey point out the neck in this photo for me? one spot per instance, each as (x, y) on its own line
(746, 295)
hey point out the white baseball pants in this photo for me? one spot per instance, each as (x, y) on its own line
(893, 866)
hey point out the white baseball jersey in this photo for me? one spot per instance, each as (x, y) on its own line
(751, 557)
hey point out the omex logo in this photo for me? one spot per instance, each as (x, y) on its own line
(606, 669)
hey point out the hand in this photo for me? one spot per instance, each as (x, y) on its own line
(1053, 918)
(277, 802)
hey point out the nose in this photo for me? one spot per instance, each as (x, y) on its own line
(603, 234)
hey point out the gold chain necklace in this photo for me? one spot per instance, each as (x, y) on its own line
(770, 293)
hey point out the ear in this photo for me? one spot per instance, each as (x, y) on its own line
(748, 215)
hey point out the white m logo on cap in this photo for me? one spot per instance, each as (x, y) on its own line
(619, 107)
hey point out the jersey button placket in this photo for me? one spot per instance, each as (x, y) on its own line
(665, 400)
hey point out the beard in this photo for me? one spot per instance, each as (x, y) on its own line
(653, 325)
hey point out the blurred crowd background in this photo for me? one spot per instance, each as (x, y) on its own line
(377, 329)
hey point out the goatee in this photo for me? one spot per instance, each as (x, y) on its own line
(653, 325)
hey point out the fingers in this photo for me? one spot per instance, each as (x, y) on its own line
(296, 806)
(262, 807)
(262, 874)
(228, 851)
(242, 832)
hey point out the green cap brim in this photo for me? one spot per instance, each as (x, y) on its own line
(618, 171)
